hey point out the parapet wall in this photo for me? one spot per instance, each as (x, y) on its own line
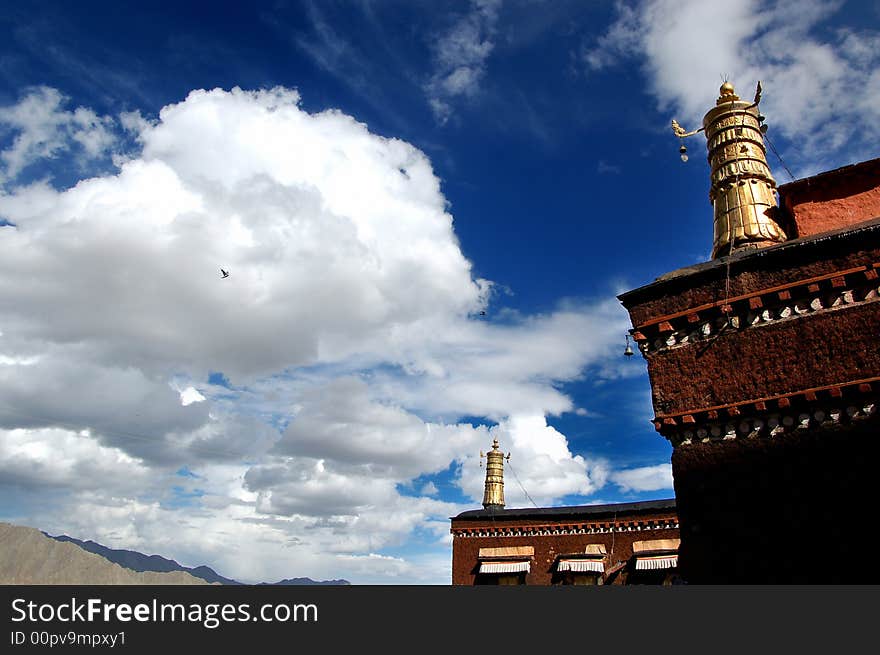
(829, 201)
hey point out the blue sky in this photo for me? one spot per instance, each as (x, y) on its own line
(375, 176)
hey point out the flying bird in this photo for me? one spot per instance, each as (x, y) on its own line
(224, 273)
(482, 313)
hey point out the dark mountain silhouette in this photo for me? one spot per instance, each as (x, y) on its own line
(136, 561)
(295, 581)
(131, 559)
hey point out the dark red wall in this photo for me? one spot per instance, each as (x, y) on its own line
(465, 550)
(758, 362)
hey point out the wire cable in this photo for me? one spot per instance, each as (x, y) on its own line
(521, 485)
(778, 156)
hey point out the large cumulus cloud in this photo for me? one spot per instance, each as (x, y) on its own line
(348, 334)
(331, 234)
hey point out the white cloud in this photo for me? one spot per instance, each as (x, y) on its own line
(621, 38)
(820, 85)
(330, 234)
(460, 56)
(646, 478)
(541, 468)
(44, 129)
(495, 369)
(190, 395)
(134, 122)
(121, 405)
(340, 422)
(346, 330)
(58, 458)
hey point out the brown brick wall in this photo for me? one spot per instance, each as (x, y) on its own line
(465, 550)
(778, 358)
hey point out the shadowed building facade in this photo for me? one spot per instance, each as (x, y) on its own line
(764, 366)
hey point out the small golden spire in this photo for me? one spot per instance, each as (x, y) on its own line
(493, 496)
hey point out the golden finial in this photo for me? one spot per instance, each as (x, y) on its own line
(727, 94)
(493, 494)
(742, 191)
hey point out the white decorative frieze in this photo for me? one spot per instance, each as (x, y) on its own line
(773, 425)
(759, 309)
(545, 531)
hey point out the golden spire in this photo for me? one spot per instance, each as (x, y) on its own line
(493, 496)
(742, 191)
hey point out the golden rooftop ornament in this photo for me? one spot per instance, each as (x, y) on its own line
(493, 496)
(743, 192)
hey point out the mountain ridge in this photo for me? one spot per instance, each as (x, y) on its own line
(140, 562)
(29, 556)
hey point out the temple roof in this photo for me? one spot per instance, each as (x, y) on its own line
(574, 511)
